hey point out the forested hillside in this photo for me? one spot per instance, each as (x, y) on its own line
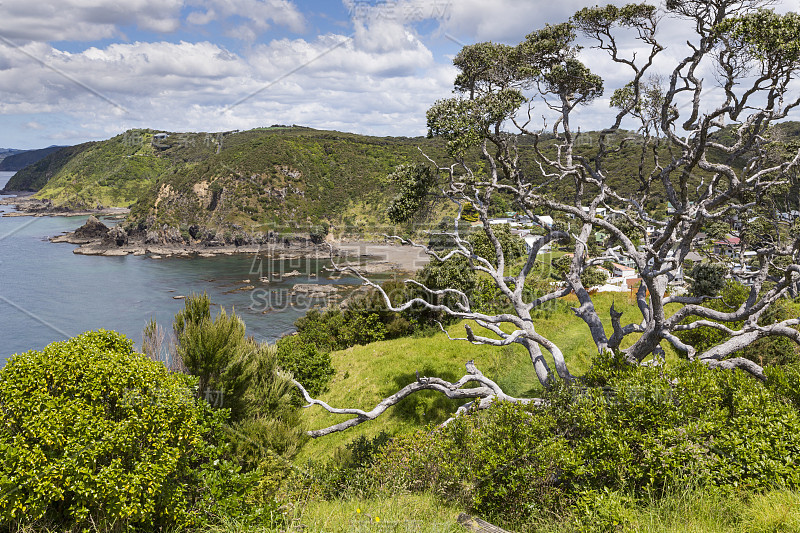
(35, 176)
(18, 161)
(287, 177)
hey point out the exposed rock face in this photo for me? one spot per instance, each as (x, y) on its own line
(93, 229)
(116, 236)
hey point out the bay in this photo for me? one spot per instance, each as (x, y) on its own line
(47, 293)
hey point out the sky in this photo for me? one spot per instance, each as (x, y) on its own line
(79, 70)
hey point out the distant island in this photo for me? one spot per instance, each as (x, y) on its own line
(18, 159)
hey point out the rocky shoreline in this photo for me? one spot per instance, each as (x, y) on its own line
(96, 238)
(27, 206)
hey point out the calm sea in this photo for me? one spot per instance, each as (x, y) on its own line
(47, 293)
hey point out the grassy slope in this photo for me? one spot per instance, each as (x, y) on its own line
(35, 176)
(692, 511)
(110, 173)
(367, 374)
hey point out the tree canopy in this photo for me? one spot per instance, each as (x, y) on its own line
(708, 158)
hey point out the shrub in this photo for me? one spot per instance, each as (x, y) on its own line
(624, 430)
(765, 351)
(310, 366)
(241, 376)
(94, 433)
(707, 279)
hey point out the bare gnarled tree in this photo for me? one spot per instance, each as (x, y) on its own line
(711, 158)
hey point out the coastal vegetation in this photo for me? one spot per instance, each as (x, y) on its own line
(626, 448)
(14, 161)
(569, 417)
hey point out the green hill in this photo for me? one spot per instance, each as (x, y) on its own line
(271, 177)
(35, 176)
(247, 182)
(18, 161)
(285, 179)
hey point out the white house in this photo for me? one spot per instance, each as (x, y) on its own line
(622, 271)
(530, 239)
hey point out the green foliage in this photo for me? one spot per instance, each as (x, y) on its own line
(484, 65)
(593, 277)
(348, 473)
(707, 279)
(717, 230)
(112, 173)
(469, 213)
(765, 36)
(268, 430)
(93, 433)
(216, 351)
(414, 183)
(628, 430)
(513, 247)
(35, 176)
(765, 351)
(308, 364)
(242, 377)
(464, 123)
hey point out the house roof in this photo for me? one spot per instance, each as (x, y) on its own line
(621, 267)
(729, 240)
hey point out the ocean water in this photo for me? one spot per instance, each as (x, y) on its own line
(47, 293)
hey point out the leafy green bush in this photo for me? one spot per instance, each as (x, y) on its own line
(310, 366)
(624, 430)
(770, 350)
(707, 279)
(93, 433)
(349, 473)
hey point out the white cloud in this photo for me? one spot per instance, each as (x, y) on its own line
(84, 20)
(259, 14)
(380, 81)
(90, 20)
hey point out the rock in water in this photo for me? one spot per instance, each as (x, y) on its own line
(116, 236)
(93, 229)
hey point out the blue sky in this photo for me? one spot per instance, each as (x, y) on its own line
(78, 70)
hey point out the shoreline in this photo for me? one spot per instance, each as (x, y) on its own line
(368, 257)
(26, 206)
(94, 238)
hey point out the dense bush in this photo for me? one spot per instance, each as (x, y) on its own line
(242, 377)
(93, 433)
(310, 366)
(707, 279)
(765, 351)
(349, 473)
(623, 431)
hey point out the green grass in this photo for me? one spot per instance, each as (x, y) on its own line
(693, 511)
(401, 513)
(367, 374)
